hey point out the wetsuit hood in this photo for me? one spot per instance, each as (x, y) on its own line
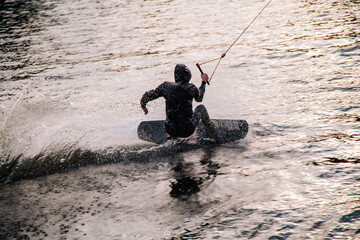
(182, 73)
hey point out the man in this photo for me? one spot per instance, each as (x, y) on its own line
(181, 121)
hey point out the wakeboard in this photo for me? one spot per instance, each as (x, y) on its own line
(227, 131)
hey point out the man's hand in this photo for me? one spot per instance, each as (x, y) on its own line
(145, 110)
(205, 77)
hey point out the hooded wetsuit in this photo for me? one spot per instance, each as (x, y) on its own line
(180, 120)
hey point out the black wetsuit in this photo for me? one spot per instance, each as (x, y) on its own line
(180, 120)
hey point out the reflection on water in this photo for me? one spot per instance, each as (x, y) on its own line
(186, 182)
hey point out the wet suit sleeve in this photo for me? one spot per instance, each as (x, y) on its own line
(152, 95)
(199, 94)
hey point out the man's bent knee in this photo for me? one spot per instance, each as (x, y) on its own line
(200, 108)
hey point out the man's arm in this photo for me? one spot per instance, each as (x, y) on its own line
(149, 96)
(199, 95)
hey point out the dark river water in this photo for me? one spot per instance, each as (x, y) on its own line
(71, 77)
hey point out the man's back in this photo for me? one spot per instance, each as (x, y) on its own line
(179, 97)
(180, 121)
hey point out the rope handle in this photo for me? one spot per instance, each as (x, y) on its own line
(202, 73)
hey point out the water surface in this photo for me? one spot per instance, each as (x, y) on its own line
(71, 77)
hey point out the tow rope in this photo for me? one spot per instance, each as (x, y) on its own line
(224, 54)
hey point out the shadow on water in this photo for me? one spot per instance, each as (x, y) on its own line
(186, 182)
